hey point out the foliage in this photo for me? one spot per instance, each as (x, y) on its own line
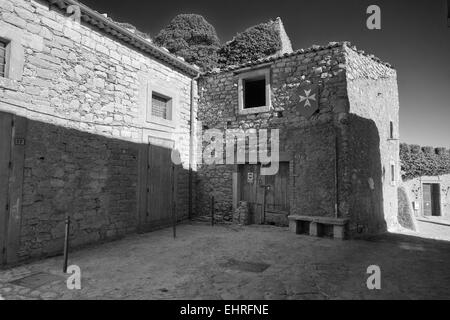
(405, 215)
(427, 161)
(193, 38)
(254, 43)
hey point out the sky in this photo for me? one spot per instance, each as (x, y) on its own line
(414, 38)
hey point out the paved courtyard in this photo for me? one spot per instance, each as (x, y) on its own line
(256, 262)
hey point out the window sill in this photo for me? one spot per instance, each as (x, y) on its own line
(9, 84)
(163, 122)
(255, 110)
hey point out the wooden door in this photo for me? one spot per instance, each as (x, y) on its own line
(427, 200)
(252, 191)
(160, 187)
(277, 196)
(5, 158)
(431, 200)
(267, 196)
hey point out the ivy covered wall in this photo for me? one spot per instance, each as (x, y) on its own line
(254, 43)
(420, 161)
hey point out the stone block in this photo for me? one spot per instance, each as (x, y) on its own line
(314, 229)
(6, 5)
(294, 226)
(339, 232)
(242, 215)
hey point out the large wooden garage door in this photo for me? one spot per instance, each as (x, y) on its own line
(5, 158)
(160, 187)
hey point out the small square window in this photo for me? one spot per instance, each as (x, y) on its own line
(161, 107)
(3, 46)
(254, 93)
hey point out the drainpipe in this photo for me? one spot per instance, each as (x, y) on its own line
(191, 146)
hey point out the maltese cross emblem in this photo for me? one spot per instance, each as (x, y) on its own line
(309, 100)
(308, 97)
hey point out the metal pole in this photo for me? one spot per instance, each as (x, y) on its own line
(212, 211)
(336, 177)
(174, 214)
(66, 245)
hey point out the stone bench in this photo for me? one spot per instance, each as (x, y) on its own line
(319, 226)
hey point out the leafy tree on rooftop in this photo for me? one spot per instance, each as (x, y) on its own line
(193, 38)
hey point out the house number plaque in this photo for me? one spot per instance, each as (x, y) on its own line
(19, 141)
(250, 178)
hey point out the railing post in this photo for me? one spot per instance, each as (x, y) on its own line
(66, 245)
(213, 211)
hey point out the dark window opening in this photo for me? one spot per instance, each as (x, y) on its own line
(448, 14)
(393, 179)
(2, 58)
(161, 107)
(391, 130)
(254, 93)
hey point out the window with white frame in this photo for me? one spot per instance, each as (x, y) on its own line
(161, 106)
(254, 92)
(393, 174)
(12, 56)
(3, 47)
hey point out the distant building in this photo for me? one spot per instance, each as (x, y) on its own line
(425, 198)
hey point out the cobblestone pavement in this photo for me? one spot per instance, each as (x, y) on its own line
(255, 262)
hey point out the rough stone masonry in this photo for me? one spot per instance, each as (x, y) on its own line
(77, 99)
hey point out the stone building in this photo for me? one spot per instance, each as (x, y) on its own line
(429, 196)
(425, 191)
(91, 111)
(339, 160)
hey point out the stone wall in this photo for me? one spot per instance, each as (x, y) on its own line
(362, 182)
(78, 77)
(87, 94)
(373, 94)
(91, 178)
(418, 161)
(314, 175)
(218, 108)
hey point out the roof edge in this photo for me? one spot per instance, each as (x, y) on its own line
(314, 48)
(96, 19)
